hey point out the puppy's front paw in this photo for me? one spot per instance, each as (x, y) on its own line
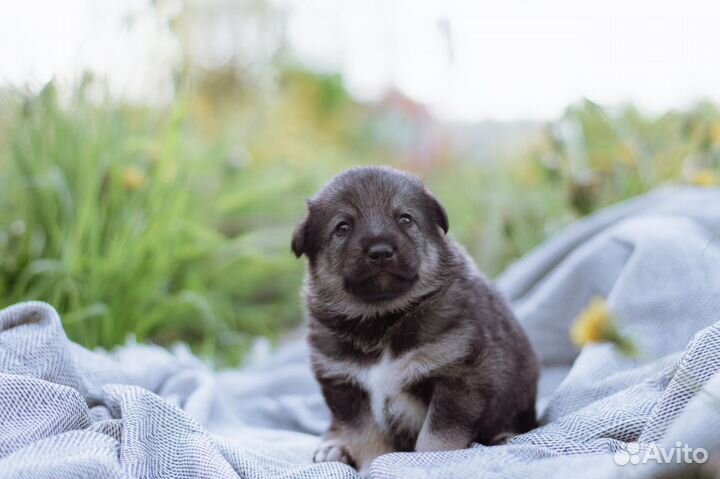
(333, 451)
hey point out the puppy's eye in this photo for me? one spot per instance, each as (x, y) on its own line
(405, 219)
(342, 228)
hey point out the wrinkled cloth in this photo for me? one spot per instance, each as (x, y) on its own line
(142, 411)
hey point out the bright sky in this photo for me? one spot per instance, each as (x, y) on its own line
(468, 60)
(45, 39)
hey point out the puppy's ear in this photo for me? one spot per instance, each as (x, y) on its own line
(437, 212)
(298, 239)
(304, 240)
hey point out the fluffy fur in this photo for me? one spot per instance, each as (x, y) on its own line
(414, 349)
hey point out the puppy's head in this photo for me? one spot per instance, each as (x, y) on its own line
(373, 238)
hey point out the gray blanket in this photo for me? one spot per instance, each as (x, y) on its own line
(143, 411)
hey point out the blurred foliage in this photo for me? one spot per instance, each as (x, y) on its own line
(174, 223)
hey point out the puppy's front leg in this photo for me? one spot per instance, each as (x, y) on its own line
(346, 402)
(357, 444)
(367, 443)
(334, 446)
(449, 421)
(353, 437)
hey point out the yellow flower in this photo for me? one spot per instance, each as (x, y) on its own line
(596, 324)
(705, 177)
(593, 324)
(133, 178)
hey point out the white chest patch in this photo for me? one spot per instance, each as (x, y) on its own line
(384, 382)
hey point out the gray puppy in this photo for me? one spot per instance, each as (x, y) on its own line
(412, 346)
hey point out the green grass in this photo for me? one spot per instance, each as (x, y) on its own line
(173, 224)
(116, 217)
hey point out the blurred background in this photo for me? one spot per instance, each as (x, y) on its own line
(155, 155)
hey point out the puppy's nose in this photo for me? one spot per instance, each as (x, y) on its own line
(380, 253)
